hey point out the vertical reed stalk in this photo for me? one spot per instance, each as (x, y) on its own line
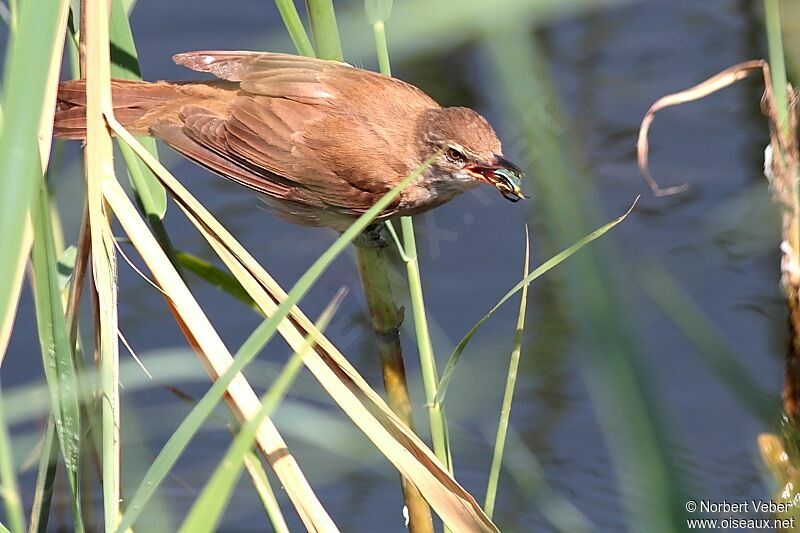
(508, 395)
(291, 19)
(785, 174)
(777, 64)
(427, 360)
(99, 170)
(780, 89)
(382, 48)
(386, 319)
(324, 29)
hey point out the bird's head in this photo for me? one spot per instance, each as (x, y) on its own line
(471, 150)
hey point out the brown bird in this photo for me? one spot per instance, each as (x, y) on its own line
(322, 141)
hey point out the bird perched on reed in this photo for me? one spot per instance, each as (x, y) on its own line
(321, 140)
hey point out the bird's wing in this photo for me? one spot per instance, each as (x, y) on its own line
(224, 65)
(300, 78)
(281, 137)
(297, 127)
(268, 74)
(201, 138)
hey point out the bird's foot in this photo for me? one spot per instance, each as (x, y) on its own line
(372, 237)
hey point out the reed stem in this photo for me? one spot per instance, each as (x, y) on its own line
(784, 150)
(386, 319)
(777, 64)
(291, 19)
(508, 396)
(382, 48)
(427, 360)
(324, 29)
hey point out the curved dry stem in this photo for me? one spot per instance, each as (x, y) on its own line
(713, 84)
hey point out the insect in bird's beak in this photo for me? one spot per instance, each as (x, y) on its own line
(501, 173)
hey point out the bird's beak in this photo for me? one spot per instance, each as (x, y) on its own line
(501, 173)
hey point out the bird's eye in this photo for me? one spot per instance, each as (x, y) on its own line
(454, 155)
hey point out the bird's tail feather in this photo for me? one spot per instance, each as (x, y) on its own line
(133, 100)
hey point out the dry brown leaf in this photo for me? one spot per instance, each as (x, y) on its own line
(713, 84)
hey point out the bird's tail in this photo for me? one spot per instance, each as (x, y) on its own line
(135, 104)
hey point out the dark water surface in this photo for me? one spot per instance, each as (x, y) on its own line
(718, 241)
